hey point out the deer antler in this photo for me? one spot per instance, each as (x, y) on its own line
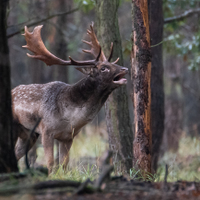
(95, 46)
(36, 45)
(88, 62)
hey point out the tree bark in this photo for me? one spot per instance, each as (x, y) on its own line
(190, 87)
(141, 76)
(157, 88)
(116, 107)
(61, 72)
(8, 161)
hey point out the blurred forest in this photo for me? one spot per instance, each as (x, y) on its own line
(65, 23)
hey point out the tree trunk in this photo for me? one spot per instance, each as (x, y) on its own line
(191, 92)
(61, 72)
(116, 107)
(141, 75)
(157, 89)
(8, 161)
(36, 67)
(174, 68)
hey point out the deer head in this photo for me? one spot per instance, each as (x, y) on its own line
(101, 67)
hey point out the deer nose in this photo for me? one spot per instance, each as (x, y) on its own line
(124, 69)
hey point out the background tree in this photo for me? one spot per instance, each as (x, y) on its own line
(141, 76)
(8, 161)
(181, 63)
(61, 72)
(116, 107)
(157, 87)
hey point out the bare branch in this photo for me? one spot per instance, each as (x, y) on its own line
(182, 16)
(40, 21)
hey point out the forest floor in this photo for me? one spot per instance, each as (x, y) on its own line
(117, 189)
(79, 181)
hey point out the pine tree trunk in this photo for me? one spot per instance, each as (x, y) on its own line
(116, 107)
(141, 75)
(8, 161)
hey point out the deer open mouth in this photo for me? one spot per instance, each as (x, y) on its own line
(119, 78)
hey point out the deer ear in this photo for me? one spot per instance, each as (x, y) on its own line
(86, 70)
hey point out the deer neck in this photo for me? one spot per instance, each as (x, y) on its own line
(89, 91)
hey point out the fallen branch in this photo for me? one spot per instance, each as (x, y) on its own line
(9, 176)
(165, 187)
(13, 189)
(166, 173)
(83, 188)
(105, 175)
(53, 184)
(106, 170)
(39, 171)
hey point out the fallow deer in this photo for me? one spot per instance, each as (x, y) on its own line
(64, 109)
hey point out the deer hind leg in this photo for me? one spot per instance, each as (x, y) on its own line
(64, 148)
(21, 145)
(48, 144)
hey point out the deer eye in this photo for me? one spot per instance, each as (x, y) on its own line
(104, 69)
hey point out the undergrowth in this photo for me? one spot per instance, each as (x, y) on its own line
(183, 164)
(89, 146)
(78, 173)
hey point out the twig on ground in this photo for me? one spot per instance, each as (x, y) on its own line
(165, 179)
(55, 184)
(106, 170)
(84, 189)
(8, 176)
(105, 175)
(12, 189)
(166, 173)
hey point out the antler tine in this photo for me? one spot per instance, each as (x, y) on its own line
(36, 45)
(111, 52)
(115, 61)
(87, 62)
(95, 46)
(82, 63)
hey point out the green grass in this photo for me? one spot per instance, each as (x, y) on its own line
(89, 143)
(78, 173)
(92, 142)
(184, 164)
(87, 148)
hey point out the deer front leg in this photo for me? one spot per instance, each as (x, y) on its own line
(64, 148)
(48, 143)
